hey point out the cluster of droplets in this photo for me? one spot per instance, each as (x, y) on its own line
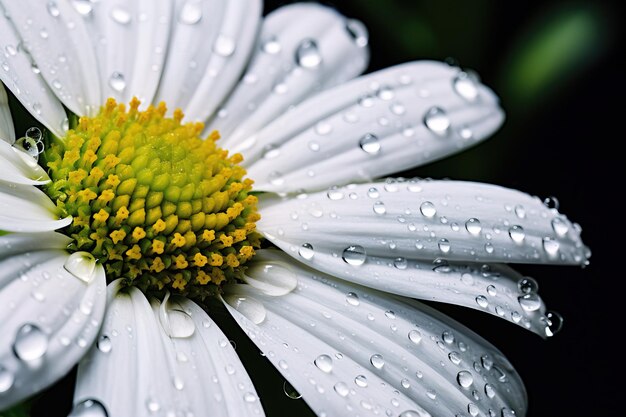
(32, 143)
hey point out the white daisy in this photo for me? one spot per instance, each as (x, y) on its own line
(131, 197)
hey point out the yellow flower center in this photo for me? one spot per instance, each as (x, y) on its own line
(153, 202)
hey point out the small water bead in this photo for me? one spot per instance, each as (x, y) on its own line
(444, 245)
(354, 255)
(473, 226)
(341, 388)
(271, 152)
(224, 46)
(465, 86)
(53, 9)
(152, 405)
(373, 193)
(465, 133)
(491, 290)
(428, 209)
(352, 299)
(397, 109)
(324, 363)
(308, 55)
(447, 337)
(385, 93)
(6, 380)
(120, 15)
(104, 344)
(290, 391)
(554, 323)
(190, 13)
(465, 379)
(550, 246)
(489, 248)
(551, 203)
(30, 343)
(271, 46)
(335, 193)
(323, 128)
(455, 357)
(379, 208)
(377, 361)
(89, 408)
(527, 285)
(361, 381)
(117, 82)
(366, 101)
(507, 412)
(400, 263)
(481, 300)
(473, 409)
(83, 7)
(306, 251)
(490, 391)
(406, 384)
(529, 302)
(517, 234)
(358, 32)
(369, 144)
(437, 121)
(415, 336)
(559, 226)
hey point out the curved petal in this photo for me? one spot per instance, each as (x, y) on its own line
(51, 307)
(350, 350)
(375, 125)
(130, 39)
(7, 131)
(19, 167)
(170, 359)
(17, 243)
(22, 76)
(303, 48)
(24, 208)
(208, 73)
(58, 40)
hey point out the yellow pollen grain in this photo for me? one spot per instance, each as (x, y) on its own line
(179, 282)
(134, 252)
(101, 216)
(157, 265)
(178, 240)
(203, 278)
(216, 259)
(159, 226)
(227, 241)
(181, 262)
(117, 236)
(112, 181)
(138, 233)
(231, 260)
(200, 260)
(158, 246)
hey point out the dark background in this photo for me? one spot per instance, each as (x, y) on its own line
(555, 66)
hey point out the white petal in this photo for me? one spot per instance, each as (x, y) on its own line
(191, 369)
(48, 318)
(218, 39)
(302, 48)
(22, 77)
(372, 126)
(17, 243)
(7, 131)
(59, 42)
(20, 168)
(130, 39)
(24, 208)
(350, 350)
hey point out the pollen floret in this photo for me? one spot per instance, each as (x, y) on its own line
(156, 204)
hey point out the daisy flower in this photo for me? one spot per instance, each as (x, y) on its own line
(253, 183)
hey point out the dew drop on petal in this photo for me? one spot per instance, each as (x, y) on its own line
(529, 302)
(190, 13)
(271, 46)
(249, 307)
(104, 344)
(481, 300)
(490, 391)
(428, 209)
(308, 55)
(30, 343)
(224, 46)
(517, 235)
(379, 208)
(400, 263)
(324, 363)
(6, 379)
(444, 245)
(341, 388)
(83, 7)
(152, 405)
(306, 251)
(369, 144)
(290, 391)
(550, 246)
(120, 15)
(527, 285)
(361, 381)
(465, 379)
(554, 323)
(272, 278)
(117, 82)
(89, 408)
(354, 255)
(82, 265)
(358, 32)
(352, 299)
(377, 361)
(465, 86)
(473, 226)
(415, 336)
(437, 121)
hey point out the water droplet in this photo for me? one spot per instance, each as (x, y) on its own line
(379, 208)
(481, 300)
(414, 413)
(415, 336)
(431, 393)
(249, 397)
(473, 226)
(465, 86)
(406, 384)
(444, 245)
(30, 343)
(306, 251)
(6, 380)
(491, 290)
(224, 46)
(437, 121)
(370, 144)
(455, 357)
(89, 408)
(527, 285)
(334, 193)
(507, 412)
(529, 302)
(324, 363)
(191, 13)
(358, 32)
(517, 234)
(178, 383)
(249, 307)
(465, 379)
(385, 93)
(361, 381)
(120, 15)
(447, 337)
(290, 391)
(152, 405)
(551, 203)
(377, 361)
(53, 9)
(272, 278)
(366, 101)
(554, 323)
(550, 246)
(400, 263)
(354, 255)
(176, 322)
(489, 248)
(490, 391)
(428, 209)
(104, 344)
(83, 7)
(560, 226)
(308, 55)
(520, 211)
(117, 82)
(472, 409)
(352, 299)
(82, 265)
(271, 46)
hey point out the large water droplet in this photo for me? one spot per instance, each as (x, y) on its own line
(358, 32)
(335, 193)
(306, 251)
(324, 363)
(550, 246)
(473, 226)
(559, 226)
(428, 209)
(530, 302)
(527, 285)
(551, 203)
(354, 255)
(272, 278)
(89, 408)
(517, 234)
(444, 245)
(121, 15)
(6, 380)
(352, 299)
(465, 86)
(379, 208)
(290, 391)
(415, 336)
(370, 144)
(437, 121)
(490, 391)
(30, 343)
(361, 381)
(465, 379)
(176, 322)
(377, 361)
(481, 300)
(82, 265)
(308, 55)
(400, 263)
(191, 13)
(249, 307)
(224, 46)
(554, 323)
(341, 388)
(117, 82)
(104, 344)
